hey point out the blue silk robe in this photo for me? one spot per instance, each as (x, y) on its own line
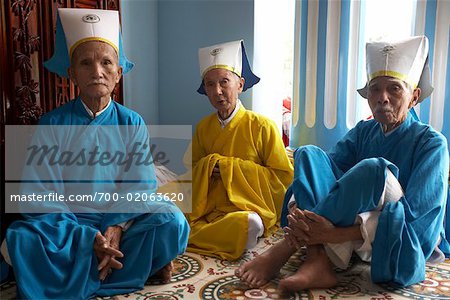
(350, 178)
(52, 253)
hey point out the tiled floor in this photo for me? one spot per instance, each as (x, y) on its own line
(201, 277)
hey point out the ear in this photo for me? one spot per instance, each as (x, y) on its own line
(119, 74)
(415, 97)
(72, 76)
(241, 84)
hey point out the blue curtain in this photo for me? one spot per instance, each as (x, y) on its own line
(433, 20)
(321, 70)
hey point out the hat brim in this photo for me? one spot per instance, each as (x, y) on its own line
(424, 84)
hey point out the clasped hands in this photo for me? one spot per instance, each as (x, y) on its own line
(106, 248)
(307, 228)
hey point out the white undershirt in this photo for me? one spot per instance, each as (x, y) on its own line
(91, 113)
(386, 134)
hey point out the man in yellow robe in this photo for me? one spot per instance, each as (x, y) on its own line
(240, 167)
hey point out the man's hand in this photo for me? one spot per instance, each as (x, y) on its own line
(321, 230)
(308, 228)
(296, 231)
(106, 248)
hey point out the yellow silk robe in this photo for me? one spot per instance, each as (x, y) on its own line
(255, 172)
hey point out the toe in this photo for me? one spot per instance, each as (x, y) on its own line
(245, 277)
(260, 283)
(253, 282)
(237, 273)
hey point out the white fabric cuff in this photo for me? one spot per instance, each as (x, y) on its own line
(368, 225)
(392, 189)
(255, 230)
(340, 254)
(5, 253)
(368, 221)
(164, 175)
(292, 204)
(125, 225)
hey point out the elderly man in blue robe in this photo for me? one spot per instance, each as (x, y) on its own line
(380, 191)
(77, 250)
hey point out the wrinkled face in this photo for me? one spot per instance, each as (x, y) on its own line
(390, 100)
(222, 88)
(95, 69)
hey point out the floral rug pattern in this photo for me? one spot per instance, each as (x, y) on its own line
(201, 277)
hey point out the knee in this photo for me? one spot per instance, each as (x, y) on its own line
(181, 222)
(370, 165)
(178, 227)
(308, 155)
(368, 170)
(373, 168)
(307, 151)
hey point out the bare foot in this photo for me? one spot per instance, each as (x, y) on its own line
(315, 272)
(264, 267)
(165, 274)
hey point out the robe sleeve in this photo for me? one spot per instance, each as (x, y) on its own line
(201, 176)
(137, 182)
(408, 230)
(40, 177)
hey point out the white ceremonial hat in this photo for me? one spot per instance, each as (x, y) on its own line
(406, 60)
(221, 56)
(82, 25)
(230, 56)
(78, 25)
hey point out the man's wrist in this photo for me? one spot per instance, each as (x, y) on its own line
(344, 234)
(333, 235)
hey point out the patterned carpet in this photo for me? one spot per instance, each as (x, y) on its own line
(201, 277)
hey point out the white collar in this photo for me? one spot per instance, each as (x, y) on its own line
(388, 133)
(225, 122)
(89, 111)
